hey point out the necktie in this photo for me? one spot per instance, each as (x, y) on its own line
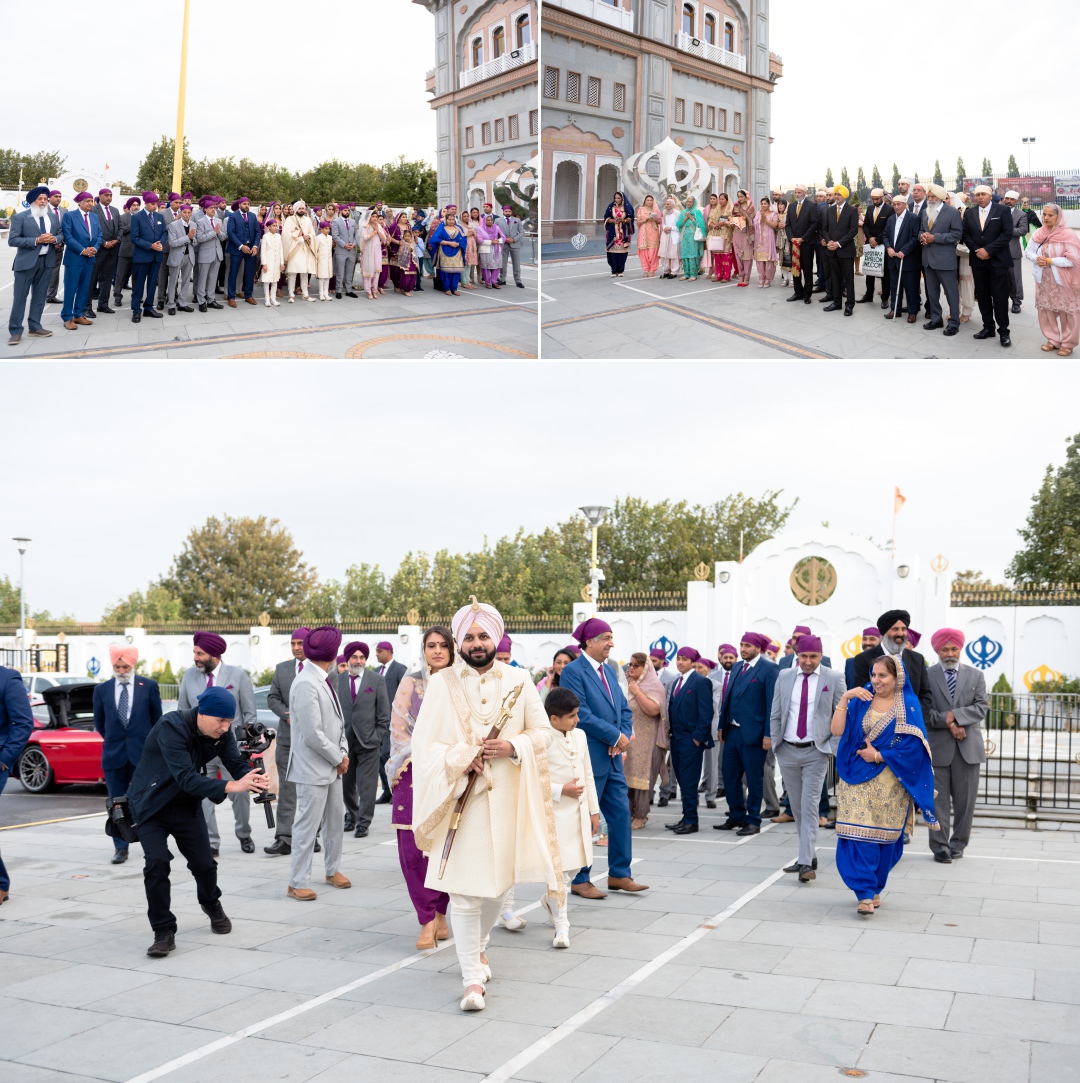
(108, 215)
(606, 686)
(333, 694)
(950, 677)
(982, 216)
(838, 212)
(930, 220)
(877, 211)
(723, 691)
(209, 680)
(678, 687)
(352, 687)
(299, 668)
(86, 219)
(122, 710)
(382, 670)
(804, 702)
(745, 669)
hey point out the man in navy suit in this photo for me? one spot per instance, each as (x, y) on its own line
(16, 725)
(243, 248)
(605, 719)
(988, 232)
(33, 234)
(125, 710)
(148, 232)
(690, 711)
(902, 248)
(82, 239)
(744, 727)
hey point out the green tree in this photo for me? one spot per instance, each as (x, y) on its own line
(1052, 534)
(38, 166)
(9, 601)
(436, 586)
(155, 170)
(895, 178)
(409, 183)
(917, 181)
(938, 178)
(364, 593)
(1012, 167)
(828, 178)
(875, 177)
(960, 173)
(975, 580)
(845, 180)
(861, 189)
(156, 605)
(238, 568)
(987, 170)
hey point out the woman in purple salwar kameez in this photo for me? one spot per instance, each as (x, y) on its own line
(438, 647)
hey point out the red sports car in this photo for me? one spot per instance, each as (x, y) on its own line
(66, 749)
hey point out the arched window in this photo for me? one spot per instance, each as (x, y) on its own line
(688, 20)
(524, 31)
(498, 42)
(710, 29)
(729, 37)
(477, 52)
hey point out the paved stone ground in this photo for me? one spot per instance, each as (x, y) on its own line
(586, 313)
(726, 969)
(478, 323)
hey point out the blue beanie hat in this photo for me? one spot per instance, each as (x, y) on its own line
(217, 703)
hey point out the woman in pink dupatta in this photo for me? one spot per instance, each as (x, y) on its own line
(742, 236)
(1054, 250)
(645, 757)
(472, 255)
(648, 236)
(489, 242)
(430, 906)
(765, 222)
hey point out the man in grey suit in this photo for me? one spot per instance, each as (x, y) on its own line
(364, 699)
(514, 231)
(33, 233)
(940, 230)
(317, 760)
(343, 232)
(1020, 229)
(170, 212)
(207, 254)
(277, 699)
(210, 672)
(958, 704)
(180, 259)
(54, 279)
(391, 672)
(802, 709)
(101, 279)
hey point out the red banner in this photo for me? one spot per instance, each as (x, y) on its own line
(1037, 189)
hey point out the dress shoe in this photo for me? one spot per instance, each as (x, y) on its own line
(884, 304)
(824, 300)
(984, 333)
(768, 814)
(911, 317)
(232, 302)
(943, 857)
(184, 308)
(686, 829)
(933, 325)
(82, 320)
(154, 315)
(119, 857)
(160, 306)
(795, 297)
(807, 299)
(247, 845)
(212, 304)
(950, 331)
(14, 340)
(162, 945)
(106, 310)
(727, 825)
(818, 289)
(1006, 341)
(662, 803)
(1015, 309)
(384, 798)
(40, 333)
(834, 307)
(749, 829)
(795, 866)
(890, 315)
(863, 300)
(90, 314)
(172, 311)
(202, 306)
(339, 879)
(806, 874)
(588, 890)
(353, 293)
(360, 833)
(676, 824)
(219, 923)
(338, 297)
(849, 309)
(710, 804)
(783, 818)
(957, 854)
(350, 824)
(302, 894)
(520, 285)
(318, 847)
(250, 301)
(624, 883)
(280, 848)
(426, 940)
(52, 300)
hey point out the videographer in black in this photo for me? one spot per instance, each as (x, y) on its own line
(166, 791)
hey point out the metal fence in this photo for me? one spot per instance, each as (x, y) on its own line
(1021, 594)
(641, 601)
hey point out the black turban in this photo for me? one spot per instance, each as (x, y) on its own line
(887, 620)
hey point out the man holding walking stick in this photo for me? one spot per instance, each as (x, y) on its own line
(902, 239)
(503, 833)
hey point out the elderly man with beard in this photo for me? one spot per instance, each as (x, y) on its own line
(958, 704)
(893, 626)
(34, 233)
(504, 833)
(940, 230)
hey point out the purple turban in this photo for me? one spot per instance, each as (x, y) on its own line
(56, 192)
(800, 629)
(207, 201)
(83, 196)
(173, 195)
(573, 650)
(888, 619)
(944, 636)
(504, 646)
(324, 224)
(242, 199)
(487, 616)
(755, 640)
(689, 652)
(210, 642)
(914, 637)
(341, 658)
(384, 645)
(188, 195)
(185, 206)
(708, 663)
(658, 652)
(300, 633)
(150, 197)
(133, 199)
(871, 632)
(809, 643)
(322, 644)
(104, 191)
(235, 205)
(353, 647)
(726, 648)
(590, 629)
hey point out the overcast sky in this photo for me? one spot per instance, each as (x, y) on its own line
(120, 460)
(926, 79)
(278, 82)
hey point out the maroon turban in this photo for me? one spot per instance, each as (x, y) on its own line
(504, 646)
(708, 663)
(689, 652)
(658, 652)
(871, 632)
(809, 644)
(322, 644)
(300, 633)
(590, 629)
(913, 637)
(726, 648)
(384, 645)
(213, 644)
(356, 645)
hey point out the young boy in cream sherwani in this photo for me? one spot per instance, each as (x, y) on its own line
(577, 810)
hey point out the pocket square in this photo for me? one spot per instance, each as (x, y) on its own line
(366, 690)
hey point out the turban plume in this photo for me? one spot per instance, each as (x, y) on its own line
(321, 645)
(943, 636)
(487, 616)
(124, 654)
(211, 643)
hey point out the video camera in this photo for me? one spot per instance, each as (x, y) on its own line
(255, 742)
(119, 823)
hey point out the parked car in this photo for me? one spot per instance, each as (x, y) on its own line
(262, 711)
(36, 683)
(64, 749)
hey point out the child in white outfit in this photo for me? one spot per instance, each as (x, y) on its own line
(573, 790)
(324, 260)
(273, 262)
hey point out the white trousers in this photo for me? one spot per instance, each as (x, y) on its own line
(562, 922)
(324, 289)
(316, 806)
(291, 279)
(472, 919)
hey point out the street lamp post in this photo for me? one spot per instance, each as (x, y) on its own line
(22, 543)
(22, 166)
(1028, 141)
(595, 514)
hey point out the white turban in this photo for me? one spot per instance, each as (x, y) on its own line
(906, 180)
(980, 189)
(940, 191)
(487, 616)
(298, 204)
(1012, 194)
(877, 192)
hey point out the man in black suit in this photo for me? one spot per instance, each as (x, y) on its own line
(803, 223)
(841, 225)
(363, 698)
(893, 627)
(823, 200)
(101, 279)
(902, 242)
(988, 229)
(878, 213)
(391, 672)
(277, 699)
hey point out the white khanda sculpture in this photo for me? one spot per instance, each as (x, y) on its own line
(520, 185)
(680, 174)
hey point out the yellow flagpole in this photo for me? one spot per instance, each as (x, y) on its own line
(178, 152)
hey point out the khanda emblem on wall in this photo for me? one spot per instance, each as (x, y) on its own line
(666, 646)
(1043, 675)
(984, 652)
(813, 580)
(852, 647)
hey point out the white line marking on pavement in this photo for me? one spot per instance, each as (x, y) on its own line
(998, 857)
(590, 1011)
(673, 296)
(566, 278)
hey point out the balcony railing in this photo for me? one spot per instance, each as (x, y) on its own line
(429, 81)
(697, 47)
(513, 59)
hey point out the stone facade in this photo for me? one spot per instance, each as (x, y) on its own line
(484, 93)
